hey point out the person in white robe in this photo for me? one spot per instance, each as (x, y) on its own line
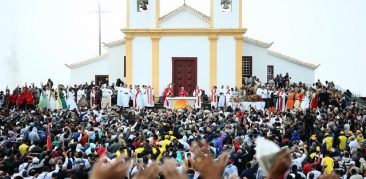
(150, 96)
(305, 104)
(126, 96)
(168, 92)
(213, 97)
(48, 97)
(53, 101)
(228, 95)
(143, 90)
(197, 94)
(137, 98)
(222, 99)
(281, 100)
(120, 92)
(80, 94)
(71, 104)
(93, 93)
(106, 97)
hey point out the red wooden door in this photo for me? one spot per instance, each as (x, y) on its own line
(184, 74)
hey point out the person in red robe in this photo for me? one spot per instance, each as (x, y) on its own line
(28, 99)
(182, 92)
(21, 99)
(168, 92)
(13, 99)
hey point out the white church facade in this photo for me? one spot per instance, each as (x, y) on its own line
(187, 48)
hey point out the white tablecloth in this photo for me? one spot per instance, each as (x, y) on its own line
(246, 105)
(185, 101)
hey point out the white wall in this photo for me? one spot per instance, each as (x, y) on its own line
(143, 19)
(116, 65)
(226, 61)
(261, 59)
(184, 19)
(87, 73)
(184, 47)
(142, 61)
(226, 19)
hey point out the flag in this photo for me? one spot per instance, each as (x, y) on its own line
(49, 141)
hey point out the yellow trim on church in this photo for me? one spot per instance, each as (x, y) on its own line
(184, 32)
(213, 60)
(155, 40)
(129, 66)
(238, 60)
(212, 34)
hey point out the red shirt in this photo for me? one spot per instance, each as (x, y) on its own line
(28, 97)
(13, 98)
(102, 150)
(182, 93)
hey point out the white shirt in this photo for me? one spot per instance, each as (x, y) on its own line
(106, 92)
(316, 174)
(353, 144)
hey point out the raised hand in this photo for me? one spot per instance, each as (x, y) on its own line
(207, 167)
(333, 176)
(282, 163)
(170, 170)
(117, 170)
(150, 172)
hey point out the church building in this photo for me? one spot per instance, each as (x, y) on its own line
(187, 48)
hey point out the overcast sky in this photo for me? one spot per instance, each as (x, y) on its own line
(45, 34)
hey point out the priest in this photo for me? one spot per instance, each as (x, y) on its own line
(93, 94)
(168, 92)
(228, 95)
(213, 97)
(150, 96)
(222, 98)
(182, 92)
(137, 98)
(80, 94)
(106, 97)
(120, 91)
(281, 100)
(197, 94)
(126, 96)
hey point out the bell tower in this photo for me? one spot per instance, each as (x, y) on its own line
(142, 14)
(226, 14)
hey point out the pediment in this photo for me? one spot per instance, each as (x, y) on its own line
(185, 17)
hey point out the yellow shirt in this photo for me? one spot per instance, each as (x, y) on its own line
(23, 149)
(359, 139)
(165, 143)
(342, 142)
(118, 153)
(329, 143)
(329, 163)
(162, 150)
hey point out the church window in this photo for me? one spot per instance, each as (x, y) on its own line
(269, 72)
(124, 66)
(142, 5)
(247, 67)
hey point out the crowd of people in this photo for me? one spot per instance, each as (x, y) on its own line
(93, 131)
